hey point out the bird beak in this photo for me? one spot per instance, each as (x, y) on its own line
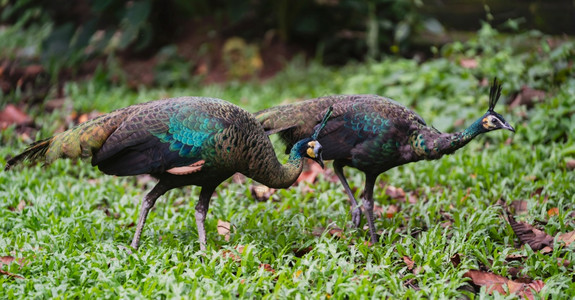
(508, 127)
(319, 160)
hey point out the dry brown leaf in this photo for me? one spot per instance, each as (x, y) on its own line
(224, 229)
(379, 212)
(20, 207)
(267, 267)
(527, 234)
(10, 274)
(310, 174)
(395, 193)
(300, 252)
(337, 232)
(456, 259)
(412, 197)
(567, 238)
(468, 63)
(232, 255)
(528, 97)
(519, 207)
(498, 283)
(570, 164)
(410, 263)
(261, 192)
(6, 260)
(13, 115)
(553, 212)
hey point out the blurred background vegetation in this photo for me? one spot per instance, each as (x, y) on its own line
(44, 44)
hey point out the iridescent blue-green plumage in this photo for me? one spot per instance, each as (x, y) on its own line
(179, 141)
(373, 134)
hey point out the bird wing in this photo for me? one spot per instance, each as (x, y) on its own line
(154, 140)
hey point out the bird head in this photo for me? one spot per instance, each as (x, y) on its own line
(492, 120)
(313, 152)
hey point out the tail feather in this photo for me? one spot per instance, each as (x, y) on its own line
(81, 141)
(34, 152)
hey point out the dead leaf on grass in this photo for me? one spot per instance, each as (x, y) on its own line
(267, 267)
(20, 207)
(570, 164)
(300, 252)
(10, 274)
(395, 193)
(224, 229)
(13, 115)
(496, 283)
(567, 238)
(527, 96)
(519, 207)
(232, 255)
(468, 63)
(410, 263)
(554, 211)
(380, 212)
(310, 174)
(455, 259)
(527, 234)
(261, 192)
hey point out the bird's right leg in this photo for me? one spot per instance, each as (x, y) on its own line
(147, 204)
(201, 212)
(368, 205)
(355, 211)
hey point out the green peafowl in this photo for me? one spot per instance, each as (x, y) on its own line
(179, 141)
(372, 134)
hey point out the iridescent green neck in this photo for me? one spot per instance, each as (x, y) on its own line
(272, 173)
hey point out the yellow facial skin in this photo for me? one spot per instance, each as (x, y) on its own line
(487, 123)
(311, 149)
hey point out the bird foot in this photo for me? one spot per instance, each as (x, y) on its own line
(128, 249)
(356, 217)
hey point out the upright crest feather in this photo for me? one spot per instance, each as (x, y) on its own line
(322, 124)
(494, 94)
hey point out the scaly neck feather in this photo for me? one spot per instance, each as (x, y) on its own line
(431, 144)
(270, 172)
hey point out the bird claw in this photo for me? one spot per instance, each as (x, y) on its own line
(356, 217)
(127, 249)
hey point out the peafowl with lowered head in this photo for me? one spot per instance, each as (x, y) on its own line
(373, 134)
(179, 141)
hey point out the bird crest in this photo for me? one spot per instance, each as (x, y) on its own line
(494, 94)
(322, 124)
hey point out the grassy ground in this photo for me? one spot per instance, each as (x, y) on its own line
(63, 224)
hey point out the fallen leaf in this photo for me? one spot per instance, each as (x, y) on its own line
(337, 232)
(297, 274)
(553, 212)
(310, 174)
(527, 234)
(379, 212)
(13, 115)
(267, 267)
(232, 255)
(20, 207)
(497, 283)
(410, 263)
(224, 229)
(6, 260)
(527, 96)
(567, 238)
(300, 252)
(519, 207)
(261, 192)
(570, 164)
(455, 259)
(10, 274)
(395, 193)
(468, 63)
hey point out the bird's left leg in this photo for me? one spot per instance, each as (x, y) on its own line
(355, 211)
(201, 212)
(368, 205)
(147, 204)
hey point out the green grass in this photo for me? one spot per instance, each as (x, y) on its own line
(75, 219)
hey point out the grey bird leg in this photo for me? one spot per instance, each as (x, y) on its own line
(201, 212)
(368, 205)
(355, 211)
(147, 204)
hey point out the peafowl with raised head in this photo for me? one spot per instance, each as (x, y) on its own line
(372, 134)
(179, 141)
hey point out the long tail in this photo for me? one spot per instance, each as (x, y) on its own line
(81, 141)
(34, 152)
